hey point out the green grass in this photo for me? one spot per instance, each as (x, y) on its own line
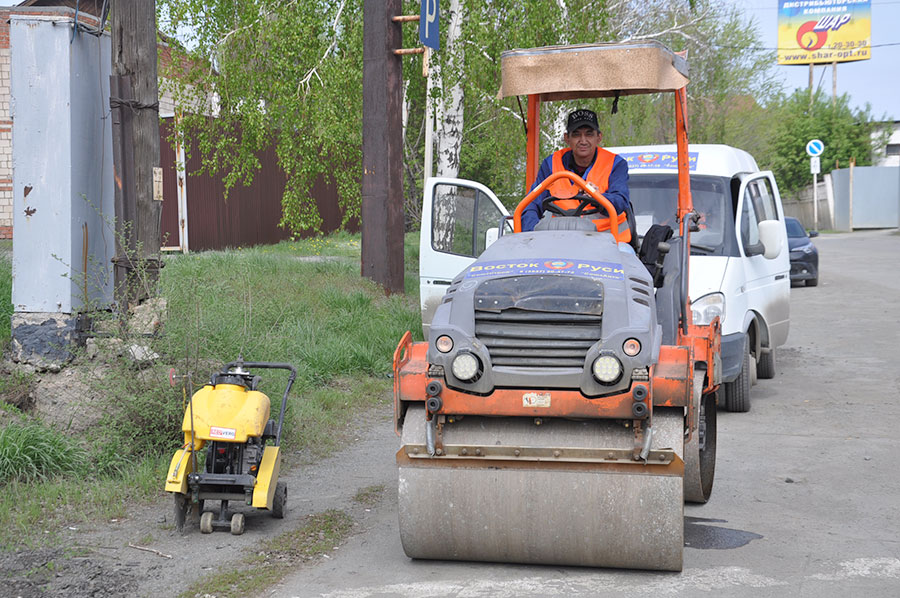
(31, 514)
(30, 451)
(6, 307)
(277, 557)
(369, 495)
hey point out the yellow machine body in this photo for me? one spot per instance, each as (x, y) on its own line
(267, 477)
(179, 468)
(226, 412)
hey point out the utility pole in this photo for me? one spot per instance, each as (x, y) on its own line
(134, 100)
(382, 156)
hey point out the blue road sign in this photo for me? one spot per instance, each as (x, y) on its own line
(815, 148)
(428, 23)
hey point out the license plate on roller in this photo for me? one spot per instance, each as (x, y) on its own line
(536, 399)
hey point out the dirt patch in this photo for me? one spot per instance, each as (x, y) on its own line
(52, 573)
(65, 400)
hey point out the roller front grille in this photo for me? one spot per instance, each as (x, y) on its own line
(524, 338)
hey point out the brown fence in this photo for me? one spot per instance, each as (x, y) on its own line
(248, 217)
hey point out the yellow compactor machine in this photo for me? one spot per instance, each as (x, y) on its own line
(563, 407)
(231, 449)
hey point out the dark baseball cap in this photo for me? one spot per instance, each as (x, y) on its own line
(582, 118)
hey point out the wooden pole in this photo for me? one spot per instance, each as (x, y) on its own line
(382, 152)
(134, 58)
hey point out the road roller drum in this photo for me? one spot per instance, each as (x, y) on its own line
(584, 511)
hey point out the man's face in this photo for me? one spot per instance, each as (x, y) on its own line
(584, 142)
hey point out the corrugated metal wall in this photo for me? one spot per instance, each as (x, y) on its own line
(876, 197)
(248, 217)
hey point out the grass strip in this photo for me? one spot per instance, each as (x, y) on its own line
(276, 558)
(32, 515)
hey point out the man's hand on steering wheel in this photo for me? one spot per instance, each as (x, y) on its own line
(588, 206)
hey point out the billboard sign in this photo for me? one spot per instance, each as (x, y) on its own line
(823, 31)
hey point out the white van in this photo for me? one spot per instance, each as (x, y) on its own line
(740, 268)
(739, 264)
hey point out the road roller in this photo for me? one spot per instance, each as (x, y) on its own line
(563, 407)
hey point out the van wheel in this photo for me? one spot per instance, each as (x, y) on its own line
(765, 367)
(737, 393)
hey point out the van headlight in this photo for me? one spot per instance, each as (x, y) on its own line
(707, 307)
(466, 367)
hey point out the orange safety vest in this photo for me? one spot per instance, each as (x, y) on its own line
(598, 175)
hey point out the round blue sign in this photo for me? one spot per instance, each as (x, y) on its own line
(815, 148)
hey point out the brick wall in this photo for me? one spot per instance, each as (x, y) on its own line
(6, 194)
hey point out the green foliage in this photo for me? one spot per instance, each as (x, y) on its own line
(282, 73)
(846, 133)
(142, 418)
(6, 307)
(30, 451)
(290, 73)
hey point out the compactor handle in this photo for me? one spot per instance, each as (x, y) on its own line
(566, 174)
(271, 366)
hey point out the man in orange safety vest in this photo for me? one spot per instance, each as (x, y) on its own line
(604, 170)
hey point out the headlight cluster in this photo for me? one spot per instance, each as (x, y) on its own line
(466, 367)
(607, 369)
(706, 308)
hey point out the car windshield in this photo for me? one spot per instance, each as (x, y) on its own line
(655, 201)
(794, 228)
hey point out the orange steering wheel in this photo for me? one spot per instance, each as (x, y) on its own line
(607, 205)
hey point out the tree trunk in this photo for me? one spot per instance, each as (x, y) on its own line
(449, 118)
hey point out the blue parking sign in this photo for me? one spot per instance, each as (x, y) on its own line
(815, 148)
(428, 23)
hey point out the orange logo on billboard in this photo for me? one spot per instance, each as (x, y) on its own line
(809, 38)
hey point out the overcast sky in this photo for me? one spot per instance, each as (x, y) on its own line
(876, 81)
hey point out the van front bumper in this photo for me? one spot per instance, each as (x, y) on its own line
(733, 347)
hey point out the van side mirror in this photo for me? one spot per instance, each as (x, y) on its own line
(770, 237)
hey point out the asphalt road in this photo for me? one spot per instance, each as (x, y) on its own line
(807, 495)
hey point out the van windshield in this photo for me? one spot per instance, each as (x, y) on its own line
(655, 201)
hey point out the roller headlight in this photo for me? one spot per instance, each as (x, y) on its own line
(607, 369)
(466, 367)
(707, 307)
(444, 343)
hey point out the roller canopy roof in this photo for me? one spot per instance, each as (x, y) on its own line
(592, 70)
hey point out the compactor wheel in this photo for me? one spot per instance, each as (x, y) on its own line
(737, 393)
(765, 367)
(182, 504)
(279, 500)
(206, 522)
(237, 524)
